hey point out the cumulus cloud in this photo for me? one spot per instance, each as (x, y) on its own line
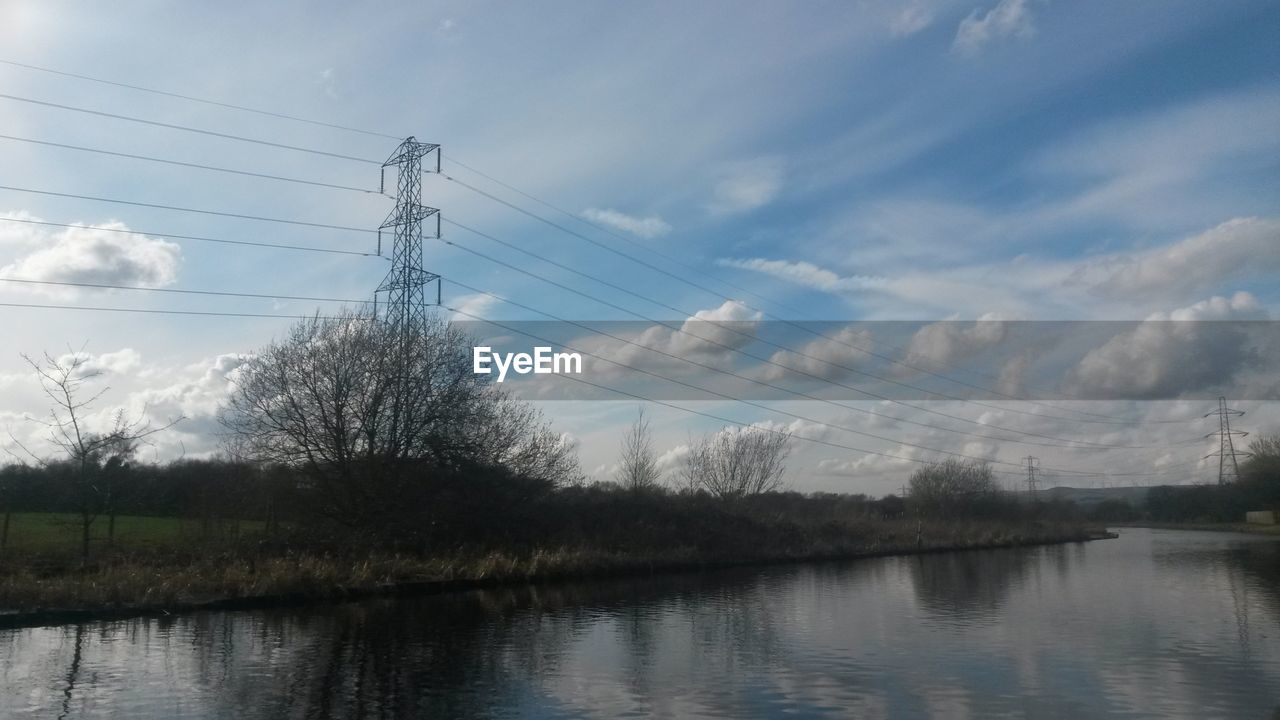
(803, 273)
(746, 185)
(894, 460)
(1236, 248)
(937, 346)
(670, 462)
(106, 254)
(708, 337)
(1171, 354)
(120, 362)
(833, 358)
(194, 393)
(732, 324)
(1008, 19)
(646, 227)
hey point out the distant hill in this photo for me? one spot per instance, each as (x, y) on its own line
(1137, 496)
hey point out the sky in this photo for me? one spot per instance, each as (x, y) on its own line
(958, 165)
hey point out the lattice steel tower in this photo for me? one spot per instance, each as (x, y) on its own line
(404, 292)
(1228, 467)
(1032, 485)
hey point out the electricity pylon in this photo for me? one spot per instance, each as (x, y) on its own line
(1032, 467)
(405, 286)
(1228, 467)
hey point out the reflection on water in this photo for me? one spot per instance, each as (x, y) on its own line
(972, 587)
(1155, 624)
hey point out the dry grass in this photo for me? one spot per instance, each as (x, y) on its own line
(183, 580)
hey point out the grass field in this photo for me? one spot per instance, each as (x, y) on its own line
(190, 570)
(53, 532)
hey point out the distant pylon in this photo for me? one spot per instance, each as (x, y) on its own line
(1032, 467)
(1228, 466)
(404, 297)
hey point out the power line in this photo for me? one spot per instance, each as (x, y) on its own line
(481, 174)
(497, 199)
(617, 235)
(153, 311)
(722, 281)
(791, 323)
(172, 236)
(1086, 444)
(187, 128)
(279, 115)
(1075, 474)
(748, 402)
(678, 407)
(739, 351)
(199, 166)
(104, 286)
(186, 209)
(739, 288)
(192, 98)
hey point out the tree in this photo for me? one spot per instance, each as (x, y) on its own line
(737, 462)
(638, 467)
(1260, 474)
(94, 457)
(952, 488)
(1263, 464)
(368, 413)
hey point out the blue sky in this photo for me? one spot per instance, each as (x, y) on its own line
(1031, 159)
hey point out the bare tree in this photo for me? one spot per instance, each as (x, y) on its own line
(363, 410)
(6, 492)
(736, 462)
(952, 487)
(89, 452)
(638, 467)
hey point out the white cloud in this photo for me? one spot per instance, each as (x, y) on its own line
(1171, 353)
(646, 227)
(120, 362)
(732, 324)
(826, 358)
(747, 185)
(937, 346)
(911, 20)
(894, 460)
(475, 305)
(194, 393)
(1008, 19)
(803, 273)
(707, 337)
(1117, 285)
(1236, 248)
(101, 254)
(670, 462)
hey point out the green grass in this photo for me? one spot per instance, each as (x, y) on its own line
(54, 532)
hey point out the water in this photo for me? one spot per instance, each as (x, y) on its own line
(1157, 623)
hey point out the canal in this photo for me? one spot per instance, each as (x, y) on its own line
(1155, 624)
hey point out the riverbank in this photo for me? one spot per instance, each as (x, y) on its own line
(139, 584)
(1252, 529)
